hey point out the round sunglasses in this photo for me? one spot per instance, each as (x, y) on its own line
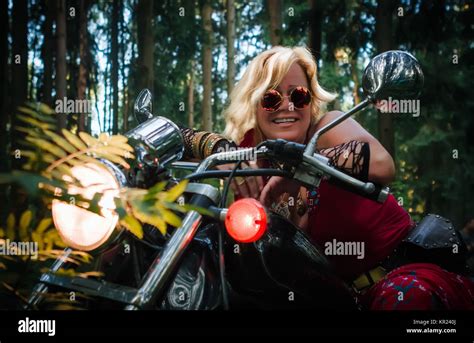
(299, 96)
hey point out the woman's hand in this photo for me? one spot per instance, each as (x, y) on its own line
(245, 187)
(277, 186)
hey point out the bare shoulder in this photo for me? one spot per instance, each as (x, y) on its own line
(325, 119)
(328, 117)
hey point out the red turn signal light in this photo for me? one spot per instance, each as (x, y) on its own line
(246, 220)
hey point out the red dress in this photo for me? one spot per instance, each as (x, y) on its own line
(338, 219)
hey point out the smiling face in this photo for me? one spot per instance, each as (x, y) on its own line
(288, 122)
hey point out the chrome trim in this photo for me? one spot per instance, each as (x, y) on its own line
(143, 106)
(157, 138)
(311, 147)
(383, 195)
(117, 172)
(228, 157)
(163, 266)
(184, 165)
(223, 214)
(41, 288)
(208, 191)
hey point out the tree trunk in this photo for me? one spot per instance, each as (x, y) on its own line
(19, 90)
(47, 54)
(207, 66)
(4, 86)
(19, 69)
(315, 29)
(115, 66)
(230, 45)
(355, 78)
(122, 46)
(61, 58)
(191, 97)
(131, 80)
(145, 44)
(19, 52)
(384, 41)
(274, 12)
(83, 67)
(5, 134)
(32, 86)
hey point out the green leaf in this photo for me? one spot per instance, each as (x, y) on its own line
(176, 191)
(170, 218)
(48, 158)
(85, 158)
(157, 187)
(153, 191)
(47, 146)
(28, 130)
(198, 209)
(117, 139)
(60, 141)
(35, 123)
(64, 169)
(74, 140)
(45, 109)
(132, 225)
(103, 137)
(24, 224)
(120, 142)
(29, 181)
(37, 115)
(175, 207)
(30, 154)
(90, 141)
(114, 158)
(114, 150)
(11, 227)
(154, 220)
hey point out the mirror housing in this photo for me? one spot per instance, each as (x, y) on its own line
(143, 106)
(396, 74)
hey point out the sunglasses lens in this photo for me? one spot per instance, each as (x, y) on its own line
(300, 97)
(271, 100)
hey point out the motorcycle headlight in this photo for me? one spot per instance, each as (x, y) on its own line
(78, 227)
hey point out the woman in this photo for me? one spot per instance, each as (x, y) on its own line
(279, 97)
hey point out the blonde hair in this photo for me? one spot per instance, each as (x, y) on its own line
(266, 71)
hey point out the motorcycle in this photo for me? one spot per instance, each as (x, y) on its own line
(260, 260)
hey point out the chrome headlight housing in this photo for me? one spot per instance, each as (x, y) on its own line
(82, 229)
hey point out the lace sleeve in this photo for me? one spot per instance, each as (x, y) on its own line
(351, 158)
(201, 144)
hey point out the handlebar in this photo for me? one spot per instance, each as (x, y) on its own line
(309, 169)
(378, 194)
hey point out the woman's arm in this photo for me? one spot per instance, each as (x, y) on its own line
(200, 144)
(381, 167)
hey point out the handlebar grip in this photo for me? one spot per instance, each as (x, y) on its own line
(379, 194)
